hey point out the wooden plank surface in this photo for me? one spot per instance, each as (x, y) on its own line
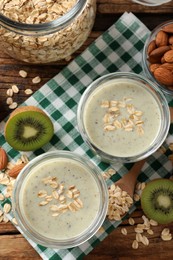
(115, 246)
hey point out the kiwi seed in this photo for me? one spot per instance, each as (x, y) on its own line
(157, 200)
(28, 129)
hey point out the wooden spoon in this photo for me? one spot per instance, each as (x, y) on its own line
(128, 181)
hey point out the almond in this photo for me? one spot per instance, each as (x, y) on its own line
(154, 59)
(164, 76)
(168, 28)
(170, 39)
(163, 60)
(151, 47)
(16, 170)
(3, 159)
(154, 66)
(159, 52)
(168, 66)
(161, 39)
(168, 56)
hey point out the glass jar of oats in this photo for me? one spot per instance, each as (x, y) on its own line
(43, 31)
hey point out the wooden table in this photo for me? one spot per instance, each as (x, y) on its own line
(115, 246)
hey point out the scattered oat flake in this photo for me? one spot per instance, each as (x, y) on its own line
(13, 105)
(7, 208)
(165, 231)
(138, 186)
(23, 73)
(167, 237)
(15, 89)
(141, 226)
(9, 101)
(36, 80)
(131, 221)
(14, 221)
(136, 197)
(5, 181)
(150, 232)
(138, 237)
(101, 230)
(28, 91)
(143, 185)
(9, 92)
(135, 244)
(145, 240)
(24, 158)
(153, 222)
(124, 231)
(111, 171)
(138, 230)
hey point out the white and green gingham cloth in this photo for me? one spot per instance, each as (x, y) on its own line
(118, 49)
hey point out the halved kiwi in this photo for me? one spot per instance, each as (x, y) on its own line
(28, 128)
(157, 200)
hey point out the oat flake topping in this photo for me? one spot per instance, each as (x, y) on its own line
(122, 114)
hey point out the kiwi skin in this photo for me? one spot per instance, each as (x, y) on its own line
(157, 200)
(26, 108)
(22, 113)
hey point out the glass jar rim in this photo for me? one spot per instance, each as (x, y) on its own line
(49, 27)
(164, 128)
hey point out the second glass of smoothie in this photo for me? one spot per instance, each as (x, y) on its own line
(124, 117)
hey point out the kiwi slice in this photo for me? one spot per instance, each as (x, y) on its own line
(28, 128)
(157, 200)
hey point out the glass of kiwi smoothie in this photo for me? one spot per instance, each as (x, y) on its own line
(60, 199)
(123, 117)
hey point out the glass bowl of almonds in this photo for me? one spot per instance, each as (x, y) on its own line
(123, 117)
(158, 57)
(60, 199)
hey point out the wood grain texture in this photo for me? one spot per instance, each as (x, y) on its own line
(115, 246)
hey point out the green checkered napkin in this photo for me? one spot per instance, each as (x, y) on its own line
(118, 49)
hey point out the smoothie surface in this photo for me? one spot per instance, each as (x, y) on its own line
(122, 118)
(70, 175)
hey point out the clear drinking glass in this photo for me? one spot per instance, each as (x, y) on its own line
(108, 152)
(20, 188)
